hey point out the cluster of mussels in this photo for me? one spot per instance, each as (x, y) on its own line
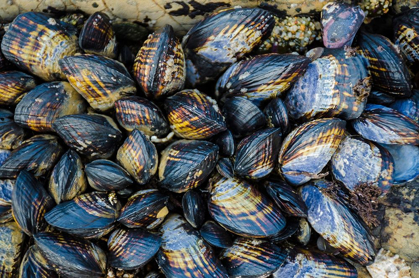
(270, 175)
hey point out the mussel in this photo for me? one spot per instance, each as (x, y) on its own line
(106, 175)
(225, 142)
(67, 179)
(406, 162)
(11, 135)
(39, 108)
(30, 202)
(138, 156)
(71, 256)
(277, 115)
(12, 245)
(194, 115)
(184, 253)
(6, 189)
(35, 265)
(225, 167)
(215, 235)
(185, 164)
(406, 29)
(262, 78)
(38, 155)
(100, 80)
(13, 86)
(308, 148)
(89, 215)
(194, 208)
(286, 198)
(221, 39)
(35, 42)
(385, 125)
(160, 64)
(93, 135)
(97, 36)
(242, 209)
(408, 106)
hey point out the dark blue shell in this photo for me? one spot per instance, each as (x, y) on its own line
(6, 188)
(106, 175)
(225, 167)
(194, 208)
(406, 162)
(34, 265)
(287, 198)
(225, 142)
(215, 235)
(408, 107)
(277, 115)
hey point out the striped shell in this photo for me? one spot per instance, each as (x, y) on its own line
(6, 189)
(406, 33)
(13, 86)
(242, 209)
(35, 264)
(160, 64)
(12, 243)
(100, 80)
(106, 175)
(194, 115)
(11, 135)
(39, 53)
(308, 148)
(39, 108)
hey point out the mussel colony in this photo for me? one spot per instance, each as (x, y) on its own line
(221, 154)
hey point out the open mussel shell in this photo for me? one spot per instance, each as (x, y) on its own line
(160, 64)
(184, 253)
(100, 80)
(89, 215)
(409, 106)
(93, 135)
(311, 263)
(37, 155)
(30, 202)
(72, 256)
(194, 208)
(308, 148)
(221, 39)
(388, 71)
(225, 142)
(385, 125)
(257, 154)
(261, 78)
(6, 189)
(11, 135)
(146, 208)
(194, 115)
(252, 258)
(216, 235)
(185, 164)
(39, 108)
(335, 85)
(35, 265)
(13, 86)
(286, 198)
(67, 179)
(225, 167)
(38, 53)
(336, 224)
(135, 112)
(242, 209)
(406, 162)
(242, 116)
(340, 23)
(132, 248)
(138, 156)
(277, 115)
(406, 30)
(106, 175)
(12, 246)
(358, 162)
(97, 36)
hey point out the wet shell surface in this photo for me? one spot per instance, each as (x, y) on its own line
(138, 156)
(194, 208)
(6, 189)
(286, 198)
(35, 265)
(100, 80)
(97, 36)
(308, 148)
(184, 253)
(385, 125)
(106, 175)
(37, 155)
(89, 215)
(160, 64)
(11, 135)
(71, 256)
(406, 29)
(261, 78)
(12, 242)
(406, 162)
(242, 209)
(194, 115)
(39, 53)
(93, 135)
(277, 115)
(216, 235)
(185, 164)
(39, 108)
(337, 225)
(139, 113)
(13, 86)
(241, 29)
(30, 202)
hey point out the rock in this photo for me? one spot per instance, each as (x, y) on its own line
(388, 265)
